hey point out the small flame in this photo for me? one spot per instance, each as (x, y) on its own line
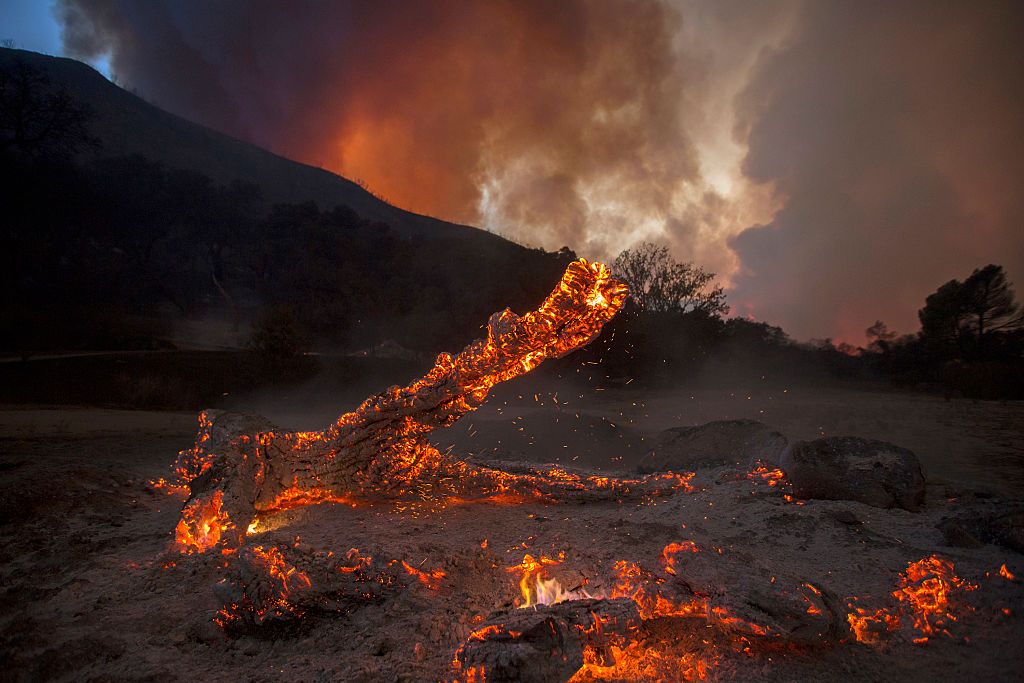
(201, 525)
(534, 587)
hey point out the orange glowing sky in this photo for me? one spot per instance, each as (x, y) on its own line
(833, 163)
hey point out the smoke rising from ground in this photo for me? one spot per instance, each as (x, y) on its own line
(834, 162)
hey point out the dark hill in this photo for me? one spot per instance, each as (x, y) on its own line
(126, 124)
(134, 226)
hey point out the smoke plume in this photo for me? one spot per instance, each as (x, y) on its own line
(834, 162)
(892, 132)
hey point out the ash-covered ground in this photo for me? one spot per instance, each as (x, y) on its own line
(93, 588)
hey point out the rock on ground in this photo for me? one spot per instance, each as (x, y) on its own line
(851, 468)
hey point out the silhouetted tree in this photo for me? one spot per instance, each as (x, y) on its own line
(880, 338)
(960, 318)
(989, 303)
(37, 119)
(942, 319)
(660, 284)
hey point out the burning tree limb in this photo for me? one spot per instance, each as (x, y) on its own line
(242, 465)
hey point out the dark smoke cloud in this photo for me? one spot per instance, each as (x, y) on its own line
(514, 113)
(875, 148)
(893, 130)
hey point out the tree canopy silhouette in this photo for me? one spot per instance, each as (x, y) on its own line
(660, 284)
(37, 119)
(961, 318)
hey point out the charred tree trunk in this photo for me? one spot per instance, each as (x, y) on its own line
(242, 465)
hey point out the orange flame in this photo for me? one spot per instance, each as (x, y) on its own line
(537, 589)
(201, 525)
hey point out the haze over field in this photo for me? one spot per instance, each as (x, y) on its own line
(831, 161)
(547, 340)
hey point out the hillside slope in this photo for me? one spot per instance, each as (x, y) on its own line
(126, 124)
(147, 235)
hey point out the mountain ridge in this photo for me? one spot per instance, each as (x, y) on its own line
(126, 124)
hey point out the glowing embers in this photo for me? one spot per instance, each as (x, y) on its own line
(871, 626)
(365, 567)
(201, 525)
(428, 579)
(644, 588)
(267, 585)
(669, 552)
(493, 499)
(357, 562)
(295, 496)
(190, 462)
(548, 643)
(169, 488)
(771, 476)
(775, 478)
(570, 634)
(538, 587)
(193, 461)
(927, 593)
(585, 299)
(641, 661)
(272, 584)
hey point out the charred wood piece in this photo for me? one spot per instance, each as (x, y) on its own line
(549, 642)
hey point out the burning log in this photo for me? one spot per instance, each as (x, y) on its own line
(242, 465)
(547, 642)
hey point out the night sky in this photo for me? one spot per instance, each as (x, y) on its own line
(834, 162)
